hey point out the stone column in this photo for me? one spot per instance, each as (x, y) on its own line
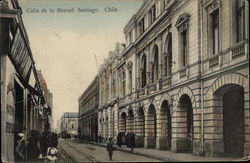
(110, 122)
(116, 119)
(179, 129)
(130, 123)
(213, 134)
(149, 131)
(139, 130)
(161, 140)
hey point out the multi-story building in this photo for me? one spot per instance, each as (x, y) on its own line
(22, 98)
(108, 94)
(182, 80)
(88, 115)
(69, 123)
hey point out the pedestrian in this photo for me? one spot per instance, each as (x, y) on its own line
(20, 148)
(33, 146)
(119, 140)
(110, 148)
(44, 141)
(128, 140)
(132, 141)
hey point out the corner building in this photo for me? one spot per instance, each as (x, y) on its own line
(182, 79)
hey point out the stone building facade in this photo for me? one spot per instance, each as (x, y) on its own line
(108, 94)
(88, 114)
(182, 81)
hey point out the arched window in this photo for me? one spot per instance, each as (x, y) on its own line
(155, 64)
(168, 56)
(144, 71)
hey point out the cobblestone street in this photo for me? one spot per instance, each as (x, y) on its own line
(70, 150)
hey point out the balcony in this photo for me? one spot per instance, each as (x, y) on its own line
(166, 81)
(183, 72)
(238, 50)
(141, 92)
(152, 87)
(214, 61)
(126, 98)
(122, 99)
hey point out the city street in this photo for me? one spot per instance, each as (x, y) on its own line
(71, 150)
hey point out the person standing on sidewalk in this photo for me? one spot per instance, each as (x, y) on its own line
(110, 148)
(20, 148)
(44, 143)
(132, 142)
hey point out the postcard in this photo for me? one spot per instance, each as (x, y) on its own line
(124, 80)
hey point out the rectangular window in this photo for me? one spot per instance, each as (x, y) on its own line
(166, 65)
(149, 18)
(130, 81)
(113, 85)
(215, 32)
(239, 20)
(142, 25)
(130, 37)
(123, 79)
(153, 13)
(184, 48)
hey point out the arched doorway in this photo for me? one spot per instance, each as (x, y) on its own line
(140, 128)
(166, 123)
(186, 114)
(231, 98)
(122, 126)
(130, 121)
(151, 127)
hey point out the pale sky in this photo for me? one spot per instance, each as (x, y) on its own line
(64, 44)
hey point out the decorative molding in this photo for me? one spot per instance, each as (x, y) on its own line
(129, 65)
(182, 22)
(212, 6)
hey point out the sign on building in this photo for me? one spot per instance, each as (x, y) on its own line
(20, 54)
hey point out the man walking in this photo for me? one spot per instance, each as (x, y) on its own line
(110, 148)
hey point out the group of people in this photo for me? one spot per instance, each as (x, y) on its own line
(37, 145)
(129, 140)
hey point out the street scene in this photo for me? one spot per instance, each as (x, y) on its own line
(124, 80)
(83, 152)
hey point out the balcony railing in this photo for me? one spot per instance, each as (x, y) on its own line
(141, 92)
(152, 87)
(238, 50)
(183, 73)
(166, 81)
(214, 61)
(122, 99)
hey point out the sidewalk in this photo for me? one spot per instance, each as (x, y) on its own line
(168, 155)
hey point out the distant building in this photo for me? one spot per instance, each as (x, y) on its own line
(69, 123)
(88, 114)
(58, 126)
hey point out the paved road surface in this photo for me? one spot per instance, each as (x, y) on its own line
(72, 151)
